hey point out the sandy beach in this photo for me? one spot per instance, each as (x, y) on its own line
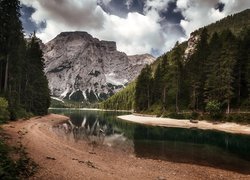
(205, 125)
(60, 158)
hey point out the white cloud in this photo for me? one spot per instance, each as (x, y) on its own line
(134, 34)
(199, 13)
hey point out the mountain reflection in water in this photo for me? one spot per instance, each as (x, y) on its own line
(93, 129)
(193, 146)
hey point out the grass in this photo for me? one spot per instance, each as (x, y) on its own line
(14, 161)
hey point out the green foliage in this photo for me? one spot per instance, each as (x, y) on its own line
(237, 117)
(20, 168)
(4, 113)
(214, 109)
(37, 92)
(22, 80)
(143, 89)
(216, 74)
(123, 100)
(155, 109)
(208, 75)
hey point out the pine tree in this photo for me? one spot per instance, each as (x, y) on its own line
(175, 72)
(213, 70)
(245, 54)
(241, 70)
(196, 72)
(10, 36)
(228, 58)
(143, 89)
(37, 94)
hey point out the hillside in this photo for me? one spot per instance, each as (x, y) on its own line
(123, 100)
(212, 67)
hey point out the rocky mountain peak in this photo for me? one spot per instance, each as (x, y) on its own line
(81, 67)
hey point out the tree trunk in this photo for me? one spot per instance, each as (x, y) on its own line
(1, 75)
(176, 98)
(164, 98)
(176, 102)
(228, 106)
(194, 98)
(19, 92)
(148, 98)
(239, 86)
(6, 74)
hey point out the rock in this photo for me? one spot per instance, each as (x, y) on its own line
(50, 158)
(192, 43)
(161, 178)
(80, 67)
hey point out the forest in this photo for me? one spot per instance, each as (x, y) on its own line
(214, 79)
(23, 85)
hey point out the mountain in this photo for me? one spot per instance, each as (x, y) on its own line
(212, 68)
(80, 67)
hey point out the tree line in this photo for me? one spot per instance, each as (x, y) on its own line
(23, 84)
(216, 75)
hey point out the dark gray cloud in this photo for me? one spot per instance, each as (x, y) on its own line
(220, 6)
(138, 26)
(121, 8)
(29, 25)
(74, 13)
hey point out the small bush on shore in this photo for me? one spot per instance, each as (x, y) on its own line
(214, 109)
(238, 117)
(4, 113)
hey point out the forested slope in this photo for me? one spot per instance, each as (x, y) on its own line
(23, 85)
(213, 77)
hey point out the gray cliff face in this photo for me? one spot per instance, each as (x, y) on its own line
(80, 67)
(191, 48)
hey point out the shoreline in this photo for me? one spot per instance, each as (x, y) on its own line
(91, 109)
(61, 157)
(227, 127)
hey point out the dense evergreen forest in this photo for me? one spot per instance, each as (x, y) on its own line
(123, 100)
(215, 78)
(23, 86)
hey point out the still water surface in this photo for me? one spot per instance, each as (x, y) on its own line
(202, 147)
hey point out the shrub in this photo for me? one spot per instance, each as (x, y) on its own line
(214, 109)
(4, 113)
(238, 117)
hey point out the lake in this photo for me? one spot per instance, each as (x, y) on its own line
(202, 147)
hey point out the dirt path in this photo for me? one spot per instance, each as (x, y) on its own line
(167, 122)
(60, 158)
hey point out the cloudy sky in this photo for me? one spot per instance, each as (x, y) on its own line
(138, 26)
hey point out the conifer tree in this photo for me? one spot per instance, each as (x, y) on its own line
(37, 94)
(143, 89)
(228, 59)
(196, 71)
(10, 35)
(175, 72)
(213, 70)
